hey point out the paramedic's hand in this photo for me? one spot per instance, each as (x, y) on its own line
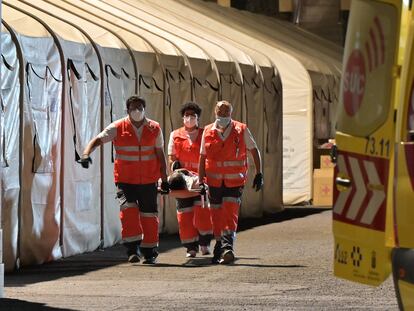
(258, 181)
(85, 161)
(165, 187)
(203, 188)
(176, 165)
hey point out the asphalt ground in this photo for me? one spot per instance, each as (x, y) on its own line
(284, 262)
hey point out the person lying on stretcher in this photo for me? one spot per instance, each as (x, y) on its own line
(184, 184)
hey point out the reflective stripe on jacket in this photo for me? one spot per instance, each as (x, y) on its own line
(136, 161)
(188, 154)
(226, 160)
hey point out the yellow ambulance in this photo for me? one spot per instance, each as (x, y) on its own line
(373, 211)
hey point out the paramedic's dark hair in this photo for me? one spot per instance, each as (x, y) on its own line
(177, 181)
(190, 106)
(135, 99)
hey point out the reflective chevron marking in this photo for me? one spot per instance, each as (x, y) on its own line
(364, 202)
(361, 191)
(378, 193)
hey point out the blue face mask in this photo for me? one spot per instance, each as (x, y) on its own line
(222, 121)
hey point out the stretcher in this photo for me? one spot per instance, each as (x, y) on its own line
(185, 193)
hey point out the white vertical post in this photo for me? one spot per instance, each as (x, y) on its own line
(1, 195)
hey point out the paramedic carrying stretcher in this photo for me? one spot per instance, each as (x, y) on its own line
(194, 221)
(139, 163)
(223, 167)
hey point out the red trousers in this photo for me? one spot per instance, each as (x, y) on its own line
(139, 214)
(193, 220)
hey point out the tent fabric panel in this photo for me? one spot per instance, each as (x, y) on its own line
(129, 21)
(234, 54)
(40, 205)
(254, 118)
(291, 42)
(198, 47)
(119, 85)
(64, 30)
(10, 135)
(101, 36)
(82, 200)
(273, 148)
(296, 151)
(125, 29)
(136, 42)
(22, 23)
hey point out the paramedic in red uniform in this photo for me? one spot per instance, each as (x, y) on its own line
(194, 220)
(223, 166)
(139, 163)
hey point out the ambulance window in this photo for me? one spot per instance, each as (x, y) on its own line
(367, 68)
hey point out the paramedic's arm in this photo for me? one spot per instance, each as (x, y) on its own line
(107, 135)
(159, 150)
(163, 164)
(257, 160)
(202, 161)
(202, 168)
(252, 146)
(171, 151)
(95, 142)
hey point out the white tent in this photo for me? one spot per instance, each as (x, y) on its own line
(67, 70)
(320, 58)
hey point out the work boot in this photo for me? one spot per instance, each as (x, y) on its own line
(204, 241)
(205, 250)
(192, 249)
(228, 257)
(132, 251)
(150, 260)
(216, 253)
(191, 253)
(150, 255)
(133, 258)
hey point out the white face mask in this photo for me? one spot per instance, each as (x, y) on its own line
(190, 121)
(222, 121)
(137, 115)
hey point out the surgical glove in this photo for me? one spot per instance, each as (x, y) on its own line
(176, 165)
(165, 187)
(85, 161)
(203, 189)
(258, 181)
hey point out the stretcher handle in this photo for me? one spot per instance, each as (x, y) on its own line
(344, 182)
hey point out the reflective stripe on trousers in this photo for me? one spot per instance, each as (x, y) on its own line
(131, 224)
(150, 222)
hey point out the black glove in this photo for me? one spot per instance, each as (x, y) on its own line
(85, 161)
(165, 187)
(203, 189)
(258, 181)
(176, 165)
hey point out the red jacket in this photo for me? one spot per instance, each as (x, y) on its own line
(136, 162)
(226, 160)
(188, 154)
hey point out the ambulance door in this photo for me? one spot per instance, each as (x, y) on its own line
(365, 140)
(403, 254)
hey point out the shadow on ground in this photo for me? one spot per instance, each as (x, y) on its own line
(288, 213)
(21, 305)
(112, 256)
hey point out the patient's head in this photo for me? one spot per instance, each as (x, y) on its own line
(177, 181)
